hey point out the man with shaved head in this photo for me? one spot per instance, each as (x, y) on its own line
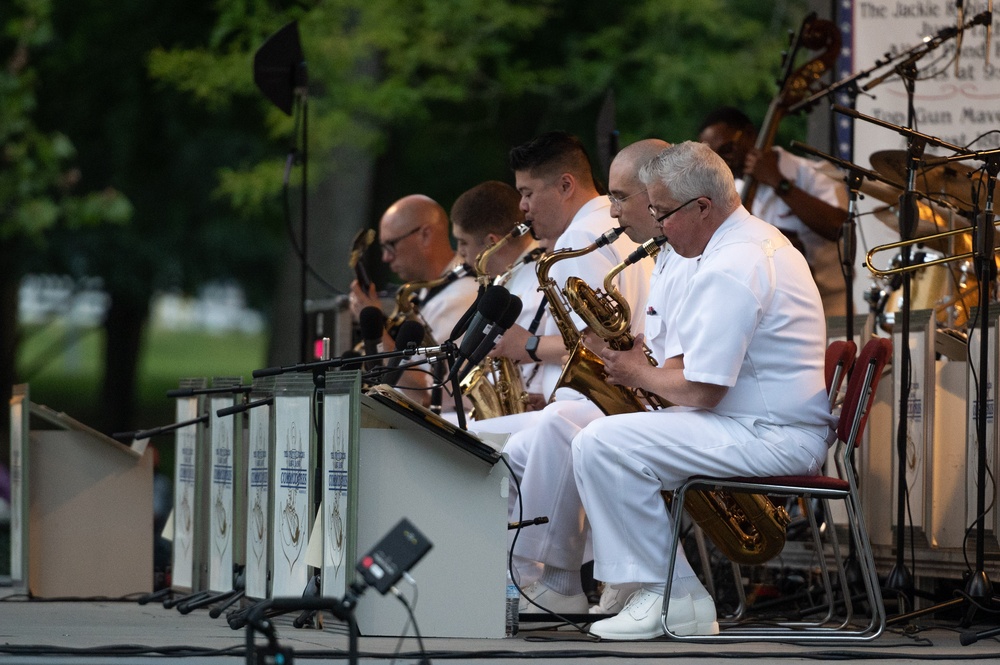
(413, 236)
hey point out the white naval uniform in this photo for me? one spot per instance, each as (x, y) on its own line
(538, 448)
(442, 311)
(447, 306)
(523, 283)
(751, 319)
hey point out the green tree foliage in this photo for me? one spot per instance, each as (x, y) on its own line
(433, 79)
(152, 143)
(40, 189)
(372, 66)
(37, 170)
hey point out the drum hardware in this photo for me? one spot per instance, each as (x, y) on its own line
(938, 177)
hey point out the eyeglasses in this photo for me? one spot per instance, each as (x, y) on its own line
(389, 246)
(659, 220)
(617, 202)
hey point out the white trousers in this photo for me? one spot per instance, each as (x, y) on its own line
(622, 462)
(539, 450)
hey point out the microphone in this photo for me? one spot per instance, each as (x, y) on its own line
(494, 303)
(410, 332)
(463, 322)
(372, 323)
(505, 321)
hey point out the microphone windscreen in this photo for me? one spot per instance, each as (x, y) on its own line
(410, 332)
(371, 320)
(463, 322)
(494, 302)
(510, 314)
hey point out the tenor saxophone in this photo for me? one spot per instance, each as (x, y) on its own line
(584, 372)
(747, 528)
(495, 386)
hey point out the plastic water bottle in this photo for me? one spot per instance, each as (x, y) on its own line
(513, 599)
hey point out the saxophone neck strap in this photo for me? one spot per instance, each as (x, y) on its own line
(538, 315)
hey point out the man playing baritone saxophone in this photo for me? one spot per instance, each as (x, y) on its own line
(539, 447)
(480, 218)
(413, 236)
(744, 367)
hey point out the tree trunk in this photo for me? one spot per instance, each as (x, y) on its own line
(125, 323)
(10, 279)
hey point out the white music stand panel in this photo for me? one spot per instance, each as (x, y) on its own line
(459, 502)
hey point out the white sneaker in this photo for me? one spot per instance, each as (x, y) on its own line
(704, 614)
(614, 597)
(641, 618)
(551, 601)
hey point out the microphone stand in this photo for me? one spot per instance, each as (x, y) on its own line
(230, 597)
(900, 579)
(456, 391)
(341, 608)
(909, 57)
(449, 351)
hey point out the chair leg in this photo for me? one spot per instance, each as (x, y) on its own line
(706, 564)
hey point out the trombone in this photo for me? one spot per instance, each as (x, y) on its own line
(896, 270)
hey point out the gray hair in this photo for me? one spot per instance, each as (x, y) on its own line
(691, 169)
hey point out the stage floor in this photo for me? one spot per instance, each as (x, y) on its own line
(36, 632)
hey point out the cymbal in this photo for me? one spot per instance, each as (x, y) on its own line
(884, 192)
(933, 218)
(950, 181)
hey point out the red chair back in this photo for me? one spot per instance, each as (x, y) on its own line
(839, 361)
(861, 389)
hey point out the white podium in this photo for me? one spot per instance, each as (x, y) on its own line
(84, 517)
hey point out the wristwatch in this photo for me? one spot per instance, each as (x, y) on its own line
(531, 346)
(784, 186)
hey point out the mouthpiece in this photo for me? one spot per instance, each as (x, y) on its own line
(520, 229)
(457, 272)
(648, 248)
(609, 236)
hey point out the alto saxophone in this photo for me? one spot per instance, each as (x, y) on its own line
(406, 308)
(495, 386)
(747, 528)
(609, 315)
(584, 372)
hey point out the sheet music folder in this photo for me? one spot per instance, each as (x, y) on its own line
(407, 409)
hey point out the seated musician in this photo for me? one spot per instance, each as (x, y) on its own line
(793, 194)
(744, 367)
(559, 196)
(413, 235)
(480, 218)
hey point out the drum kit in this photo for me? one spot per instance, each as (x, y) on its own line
(943, 278)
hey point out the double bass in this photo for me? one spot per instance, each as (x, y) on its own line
(815, 34)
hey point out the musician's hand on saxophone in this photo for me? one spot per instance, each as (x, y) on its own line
(629, 368)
